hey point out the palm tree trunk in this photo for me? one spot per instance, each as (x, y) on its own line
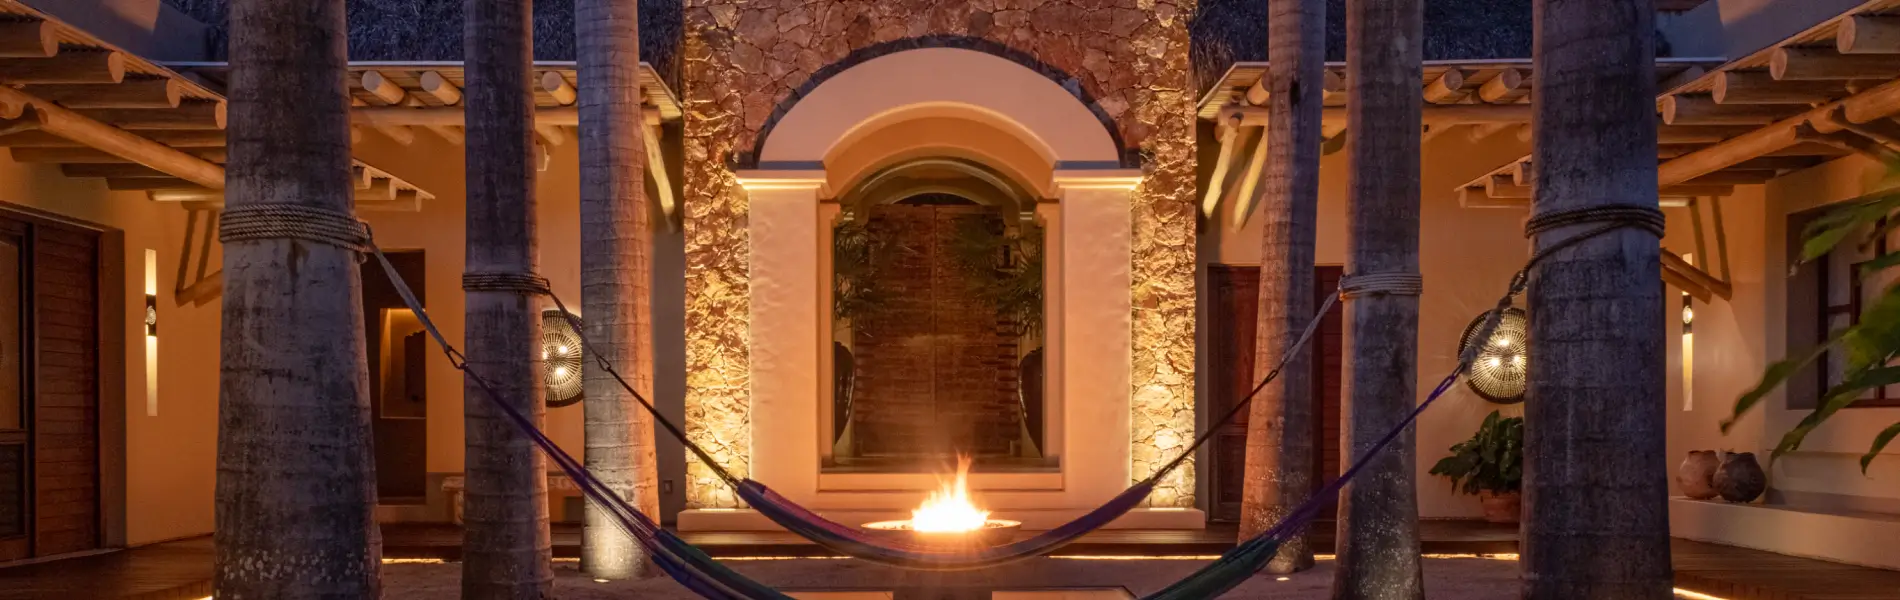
(1595, 480)
(1378, 544)
(616, 268)
(295, 492)
(1279, 470)
(505, 548)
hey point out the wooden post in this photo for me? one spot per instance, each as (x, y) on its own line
(616, 271)
(1279, 467)
(1378, 540)
(1595, 475)
(506, 546)
(296, 494)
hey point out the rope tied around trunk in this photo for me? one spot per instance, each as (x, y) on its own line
(1395, 284)
(285, 221)
(505, 281)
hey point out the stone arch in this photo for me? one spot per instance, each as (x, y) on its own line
(974, 79)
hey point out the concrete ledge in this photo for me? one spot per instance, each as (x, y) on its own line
(751, 520)
(1864, 539)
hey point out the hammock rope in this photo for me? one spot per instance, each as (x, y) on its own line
(710, 579)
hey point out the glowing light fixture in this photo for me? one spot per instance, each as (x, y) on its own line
(1498, 374)
(560, 359)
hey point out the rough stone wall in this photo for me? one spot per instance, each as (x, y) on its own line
(745, 61)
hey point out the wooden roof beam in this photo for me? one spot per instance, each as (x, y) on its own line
(451, 116)
(89, 155)
(193, 115)
(440, 88)
(381, 88)
(1500, 88)
(1797, 64)
(1703, 110)
(1776, 137)
(557, 86)
(662, 180)
(1447, 88)
(1432, 114)
(1868, 34)
(136, 93)
(1698, 134)
(65, 67)
(62, 122)
(1756, 87)
(28, 39)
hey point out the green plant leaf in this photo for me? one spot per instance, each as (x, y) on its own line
(1880, 263)
(1880, 443)
(1772, 377)
(1837, 398)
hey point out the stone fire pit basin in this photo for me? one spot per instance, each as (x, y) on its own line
(995, 532)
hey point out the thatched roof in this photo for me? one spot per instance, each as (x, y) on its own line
(1229, 31)
(1224, 31)
(431, 30)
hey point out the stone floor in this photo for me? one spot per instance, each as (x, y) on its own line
(1460, 578)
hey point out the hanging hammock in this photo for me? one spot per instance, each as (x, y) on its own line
(713, 580)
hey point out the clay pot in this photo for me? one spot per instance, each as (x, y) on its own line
(1696, 476)
(1740, 479)
(1501, 507)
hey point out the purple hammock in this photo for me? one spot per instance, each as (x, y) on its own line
(710, 579)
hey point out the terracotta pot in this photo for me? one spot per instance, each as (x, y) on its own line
(1696, 476)
(1501, 507)
(1740, 479)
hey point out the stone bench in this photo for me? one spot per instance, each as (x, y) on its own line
(455, 485)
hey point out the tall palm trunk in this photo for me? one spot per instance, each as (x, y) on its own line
(1378, 543)
(616, 268)
(1595, 482)
(295, 495)
(1279, 471)
(505, 549)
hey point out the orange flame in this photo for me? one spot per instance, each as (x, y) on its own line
(949, 509)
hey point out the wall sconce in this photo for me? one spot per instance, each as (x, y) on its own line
(561, 359)
(1498, 373)
(151, 315)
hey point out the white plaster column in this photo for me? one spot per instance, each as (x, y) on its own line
(785, 252)
(1095, 328)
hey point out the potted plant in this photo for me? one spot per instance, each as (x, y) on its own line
(1491, 466)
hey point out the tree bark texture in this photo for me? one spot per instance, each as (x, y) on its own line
(1378, 539)
(295, 486)
(1595, 476)
(505, 546)
(616, 270)
(1279, 468)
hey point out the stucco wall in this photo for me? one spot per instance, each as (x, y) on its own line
(169, 458)
(746, 62)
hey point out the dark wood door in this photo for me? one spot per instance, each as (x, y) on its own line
(1232, 312)
(398, 381)
(49, 388)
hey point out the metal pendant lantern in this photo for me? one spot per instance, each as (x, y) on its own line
(1498, 374)
(560, 359)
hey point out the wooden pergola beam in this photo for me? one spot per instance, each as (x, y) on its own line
(381, 88)
(62, 122)
(1698, 134)
(90, 155)
(440, 88)
(193, 115)
(1501, 87)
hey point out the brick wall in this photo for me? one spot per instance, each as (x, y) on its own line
(936, 369)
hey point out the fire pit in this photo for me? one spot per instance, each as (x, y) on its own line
(947, 521)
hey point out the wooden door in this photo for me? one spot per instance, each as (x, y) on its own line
(1233, 316)
(49, 388)
(398, 382)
